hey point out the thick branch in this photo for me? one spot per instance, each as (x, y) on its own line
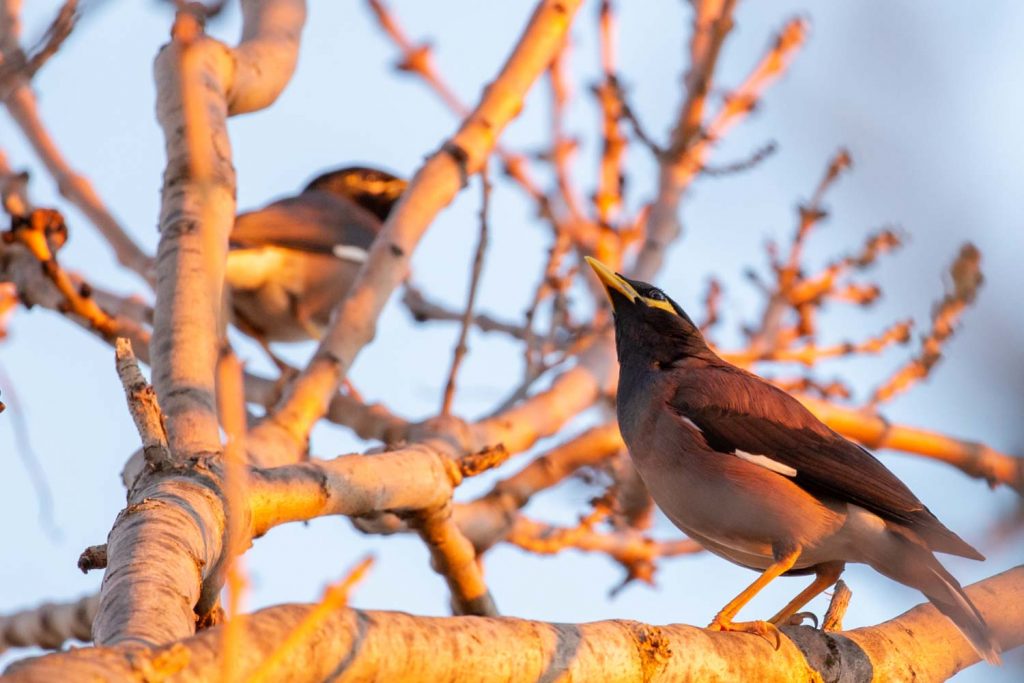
(168, 542)
(356, 645)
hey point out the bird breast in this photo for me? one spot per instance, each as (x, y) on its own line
(272, 286)
(736, 507)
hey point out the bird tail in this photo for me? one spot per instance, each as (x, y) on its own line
(923, 571)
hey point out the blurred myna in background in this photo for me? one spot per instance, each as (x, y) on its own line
(744, 469)
(292, 261)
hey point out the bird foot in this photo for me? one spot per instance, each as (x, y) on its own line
(797, 619)
(765, 629)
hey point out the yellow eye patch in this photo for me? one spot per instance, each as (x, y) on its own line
(662, 304)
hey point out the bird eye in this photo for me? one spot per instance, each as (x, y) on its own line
(656, 295)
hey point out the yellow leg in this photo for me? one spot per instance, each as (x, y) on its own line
(723, 620)
(825, 576)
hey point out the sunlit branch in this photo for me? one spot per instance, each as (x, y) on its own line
(965, 280)
(688, 152)
(152, 592)
(920, 644)
(608, 197)
(418, 60)
(431, 189)
(75, 187)
(874, 431)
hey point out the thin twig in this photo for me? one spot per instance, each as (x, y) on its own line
(460, 350)
(712, 305)
(790, 290)
(562, 145)
(21, 103)
(423, 310)
(143, 406)
(691, 145)
(29, 458)
(833, 620)
(965, 280)
(18, 64)
(631, 117)
(548, 284)
(759, 155)
(608, 197)
(636, 552)
(809, 354)
(42, 232)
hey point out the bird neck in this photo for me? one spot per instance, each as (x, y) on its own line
(640, 345)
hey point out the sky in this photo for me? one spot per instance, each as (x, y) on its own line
(926, 100)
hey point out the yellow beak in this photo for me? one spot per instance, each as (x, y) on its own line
(611, 280)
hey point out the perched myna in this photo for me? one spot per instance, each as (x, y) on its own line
(743, 468)
(291, 261)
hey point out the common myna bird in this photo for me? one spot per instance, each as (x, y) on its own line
(744, 469)
(291, 261)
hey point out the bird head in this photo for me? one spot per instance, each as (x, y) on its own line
(649, 326)
(374, 190)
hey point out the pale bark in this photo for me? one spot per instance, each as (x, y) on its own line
(49, 625)
(165, 551)
(356, 645)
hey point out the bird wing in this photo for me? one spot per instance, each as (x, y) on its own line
(740, 413)
(315, 222)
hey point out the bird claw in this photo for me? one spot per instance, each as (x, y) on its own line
(765, 629)
(798, 619)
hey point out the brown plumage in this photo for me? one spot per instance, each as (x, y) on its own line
(746, 470)
(292, 261)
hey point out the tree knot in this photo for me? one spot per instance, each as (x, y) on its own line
(652, 646)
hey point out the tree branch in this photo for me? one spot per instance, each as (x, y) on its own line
(73, 186)
(165, 550)
(689, 151)
(920, 644)
(49, 625)
(433, 187)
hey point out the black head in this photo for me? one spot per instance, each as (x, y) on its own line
(649, 326)
(376, 191)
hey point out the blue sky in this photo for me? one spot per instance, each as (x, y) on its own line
(927, 101)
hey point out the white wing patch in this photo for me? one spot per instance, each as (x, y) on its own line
(347, 252)
(690, 422)
(766, 462)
